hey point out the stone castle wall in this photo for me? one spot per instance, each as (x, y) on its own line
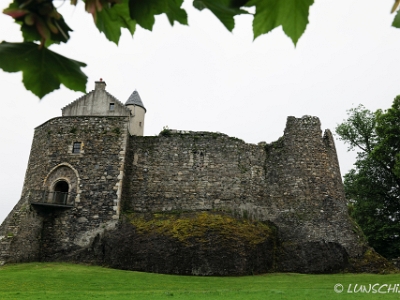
(192, 171)
(294, 182)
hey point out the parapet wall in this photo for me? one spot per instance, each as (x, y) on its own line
(192, 171)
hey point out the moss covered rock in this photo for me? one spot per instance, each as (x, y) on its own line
(371, 262)
(193, 243)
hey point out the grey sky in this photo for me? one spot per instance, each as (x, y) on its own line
(201, 77)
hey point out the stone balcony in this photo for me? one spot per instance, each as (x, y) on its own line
(52, 199)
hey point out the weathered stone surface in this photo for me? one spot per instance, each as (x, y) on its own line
(312, 257)
(20, 235)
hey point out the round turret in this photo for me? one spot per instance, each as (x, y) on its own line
(138, 111)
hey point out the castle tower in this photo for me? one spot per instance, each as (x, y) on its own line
(138, 111)
(73, 183)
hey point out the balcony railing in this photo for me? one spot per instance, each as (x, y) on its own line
(56, 199)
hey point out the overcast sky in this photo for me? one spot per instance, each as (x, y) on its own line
(202, 78)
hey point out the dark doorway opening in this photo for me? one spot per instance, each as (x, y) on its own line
(61, 189)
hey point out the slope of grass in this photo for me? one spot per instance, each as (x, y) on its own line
(73, 282)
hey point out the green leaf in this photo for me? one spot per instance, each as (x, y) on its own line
(292, 15)
(224, 10)
(110, 20)
(176, 13)
(29, 33)
(144, 11)
(43, 70)
(396, 21)
(199, 4)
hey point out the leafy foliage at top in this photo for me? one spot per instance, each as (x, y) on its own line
(42, 69)
(39, 21)
(292, 15)
(42, 24)
(373, 187)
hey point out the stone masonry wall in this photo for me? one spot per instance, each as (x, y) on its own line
(294, 182)
(193, 171)
(95, 178)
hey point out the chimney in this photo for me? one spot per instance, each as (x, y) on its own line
(100, 85)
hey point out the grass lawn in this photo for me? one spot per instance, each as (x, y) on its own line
(73, 282)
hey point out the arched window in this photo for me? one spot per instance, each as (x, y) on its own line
(61, 186)
(61, 189)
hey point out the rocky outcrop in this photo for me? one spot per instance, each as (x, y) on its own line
(312, 257)
(126, 249)
(211, 244)
(190, 244)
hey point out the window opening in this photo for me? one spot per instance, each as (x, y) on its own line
(76, 148)
(112, 106)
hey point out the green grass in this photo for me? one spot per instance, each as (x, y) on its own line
(73, 282)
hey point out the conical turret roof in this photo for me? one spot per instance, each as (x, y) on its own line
(135, 99)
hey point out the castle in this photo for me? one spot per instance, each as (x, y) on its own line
(93, 164)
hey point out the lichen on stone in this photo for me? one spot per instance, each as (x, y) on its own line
(187, 226)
